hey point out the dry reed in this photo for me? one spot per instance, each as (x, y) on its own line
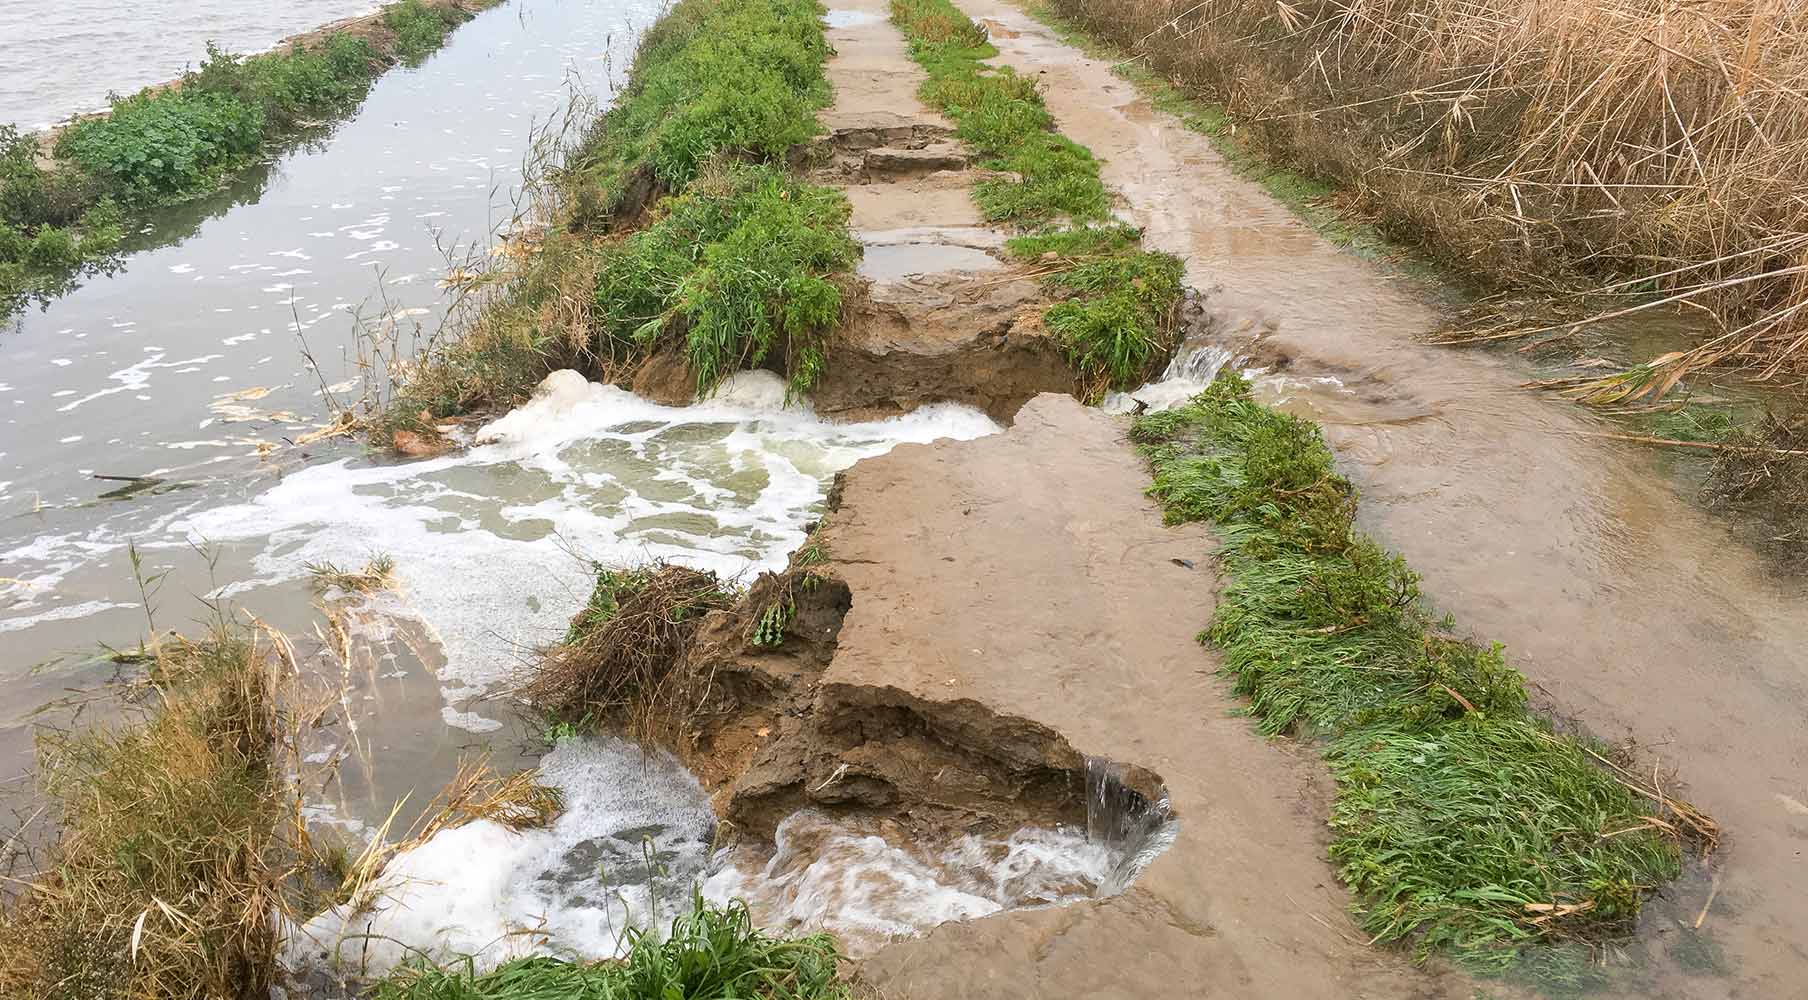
(623, 647)
(1653, 152)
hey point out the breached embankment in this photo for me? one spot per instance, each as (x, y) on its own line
(977, 626)
(1008, 607)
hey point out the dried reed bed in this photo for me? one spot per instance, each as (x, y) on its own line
(1653, 152)
(181, 845)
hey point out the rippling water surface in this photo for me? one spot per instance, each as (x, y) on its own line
(62, 57)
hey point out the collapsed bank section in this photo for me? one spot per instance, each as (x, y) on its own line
(702, 229)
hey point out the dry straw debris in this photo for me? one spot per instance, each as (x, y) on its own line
(1650, 151)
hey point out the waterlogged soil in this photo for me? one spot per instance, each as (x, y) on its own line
(1628, 608)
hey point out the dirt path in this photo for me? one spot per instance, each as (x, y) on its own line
(1027, 572)
(1025, 577)
(1623, 602)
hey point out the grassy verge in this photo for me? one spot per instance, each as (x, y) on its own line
(1598, 151)
(64, 211)
(1463, 822)
(169, 865)
(675, 227)
(710, 952)
(1118, 301)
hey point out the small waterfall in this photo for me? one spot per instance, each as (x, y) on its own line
(1133, 828)
(1200, 364)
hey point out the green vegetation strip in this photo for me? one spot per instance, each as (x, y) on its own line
(711, 952)
(678, 225)
(1119, 302)
(66, 215)
(1462, 821)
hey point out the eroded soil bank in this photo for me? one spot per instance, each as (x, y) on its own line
(1023, 578)
(1629, 608)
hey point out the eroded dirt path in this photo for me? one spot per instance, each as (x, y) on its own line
(1026, 572)
(1024, 579)
(1625, 604)
(940, 314)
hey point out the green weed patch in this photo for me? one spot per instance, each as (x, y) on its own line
(65, 217)
(1116, 316)
(734, 78)
(712, 952)
(1462, 821)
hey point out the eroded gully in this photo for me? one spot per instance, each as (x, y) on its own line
(1629, 608)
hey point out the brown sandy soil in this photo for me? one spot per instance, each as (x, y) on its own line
(1627, 606)
(1028, 573)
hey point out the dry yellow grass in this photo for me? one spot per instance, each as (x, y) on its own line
(1651, 150)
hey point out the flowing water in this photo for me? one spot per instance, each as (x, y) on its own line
(1628, 607)
(147, 420)
(63, 57)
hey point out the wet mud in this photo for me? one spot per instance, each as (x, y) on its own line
(1633, 612)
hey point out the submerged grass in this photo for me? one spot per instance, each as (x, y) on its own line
(1119, 302)
(63, 209)
(1462, 822)
(711, 952)
(169, 866)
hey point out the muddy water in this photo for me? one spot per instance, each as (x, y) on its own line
(63, 57)
(1626, 605)
(186, 368)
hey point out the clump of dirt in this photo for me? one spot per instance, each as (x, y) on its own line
(956, 337)
(620, 654)
(735, 689)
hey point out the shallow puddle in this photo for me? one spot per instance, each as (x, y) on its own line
(891, 262)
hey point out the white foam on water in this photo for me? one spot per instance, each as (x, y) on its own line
(572, 889)
(868, 885)
(1192, 371)
(492, 546)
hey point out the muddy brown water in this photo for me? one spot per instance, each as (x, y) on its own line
(1630, 610)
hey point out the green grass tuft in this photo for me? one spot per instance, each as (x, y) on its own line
(712, 952)
(739, 264)
(1116, 316)
(1462, 822)
(741, 78)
